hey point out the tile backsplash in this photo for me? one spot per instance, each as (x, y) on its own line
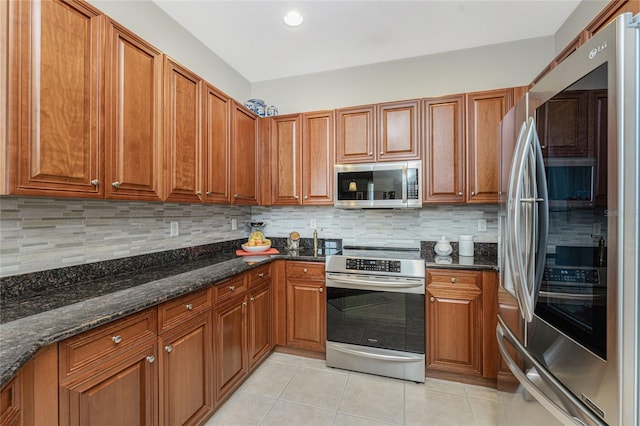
(425, 224)
(37, 234)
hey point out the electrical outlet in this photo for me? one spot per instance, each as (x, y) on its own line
(597, 229)
(482, 225)
(313, 224)
(174, 229)
(234, 224)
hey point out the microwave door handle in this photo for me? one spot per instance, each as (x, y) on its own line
(585, 416)
(405, 181)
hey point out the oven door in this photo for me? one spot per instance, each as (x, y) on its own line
(376, 311)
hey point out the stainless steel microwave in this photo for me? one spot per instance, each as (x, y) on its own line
(571, 181)
(378, 185)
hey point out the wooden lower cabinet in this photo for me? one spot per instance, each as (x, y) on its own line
(230, 345)
(123, 392)
(260, 323)
(186, 385)
(306, 306)
(461, 321)
(10, 404)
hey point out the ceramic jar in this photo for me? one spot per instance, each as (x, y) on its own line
(443, 248)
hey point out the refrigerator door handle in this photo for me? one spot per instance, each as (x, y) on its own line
(585, 416)
(542, 221)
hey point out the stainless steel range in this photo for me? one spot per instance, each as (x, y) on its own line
(376, 311)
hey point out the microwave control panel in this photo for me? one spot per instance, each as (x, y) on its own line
(374, 265)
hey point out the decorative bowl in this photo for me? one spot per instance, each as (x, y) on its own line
(256, 249)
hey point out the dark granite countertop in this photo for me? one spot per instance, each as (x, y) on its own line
(43, 308)
(485, 257)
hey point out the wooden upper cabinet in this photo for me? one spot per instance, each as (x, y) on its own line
(444, 156)
(560, 125)
(611, 11)
(398, 131)
(183, 133)
(286, 146)
(244, 158)
(318, 157)
(133, 133)
(355, 141)
(484, 113)
(216, 149)
(54, 140)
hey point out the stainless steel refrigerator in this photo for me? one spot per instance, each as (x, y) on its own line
(569, 298)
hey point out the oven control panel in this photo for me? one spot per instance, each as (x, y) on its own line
(571, 275)
(373, 265)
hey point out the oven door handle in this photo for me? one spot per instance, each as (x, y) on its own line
(405, 184)
(365, 282)
(364, 354)
(586, 417)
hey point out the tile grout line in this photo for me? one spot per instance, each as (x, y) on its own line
(344, 387)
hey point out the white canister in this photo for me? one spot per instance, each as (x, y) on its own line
(465, 245)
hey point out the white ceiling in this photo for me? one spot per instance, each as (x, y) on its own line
(251, 37)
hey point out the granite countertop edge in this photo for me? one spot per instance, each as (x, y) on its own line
(22, 338)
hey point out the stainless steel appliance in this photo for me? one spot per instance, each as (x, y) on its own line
(568, 322)
(376, 311)
(378, 185)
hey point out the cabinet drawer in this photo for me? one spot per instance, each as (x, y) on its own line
(259, 275)
(107, 341)
(455, 279)
(230, 288)
(181, 309)
(308, 270)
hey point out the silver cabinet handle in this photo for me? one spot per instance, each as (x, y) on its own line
(168, 348)
(321, 289)
(453, 279)
(235, 195)
(296, 197)
(198, 192)
(116, 184)
(459, 194)
(261, 275)
(253, 299)
(95, 182)
(232, 287)
(432, 299)
(116, 339)
(189, 307)
(150, 359)
(244, 303)
(473, 193)
(304, 270)
(381, 152)
(306, 197)
(370, 154)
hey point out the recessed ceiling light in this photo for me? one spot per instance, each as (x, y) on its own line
(293, 18)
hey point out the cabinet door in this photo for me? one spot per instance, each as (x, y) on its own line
(55, 115)
(244, 159)
(318, 157)
(444, 165)
(133, 153)
(598, 127)
(10, 404)
(186, 379)
(286, 146)
(455, 338)
(356, 134)
(260, 323)
(398, 131)
(306, 314)
(124, 393)
(484, 113)
(230, 346)
(560, 125)
(217, 108)
(183, 139)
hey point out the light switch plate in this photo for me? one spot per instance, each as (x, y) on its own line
(482, 225)
(234, 224)
(313, 224)
(174, 229)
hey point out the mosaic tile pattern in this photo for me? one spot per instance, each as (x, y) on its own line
(37, 234)
(426, 224)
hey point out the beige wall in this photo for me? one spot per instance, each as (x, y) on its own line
(151, 23)
(584, 13)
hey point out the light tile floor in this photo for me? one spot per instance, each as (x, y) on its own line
(292, 390)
